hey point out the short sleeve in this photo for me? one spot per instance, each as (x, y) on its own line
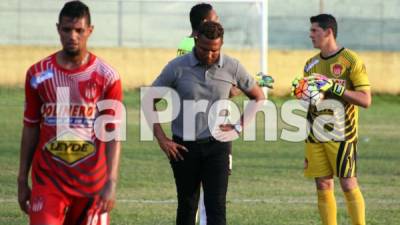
(166, 78)
(310, 66)
(33, 103)
(306, 70)
(359, 77)
(244, 81)
(114, 91)
(185, 46)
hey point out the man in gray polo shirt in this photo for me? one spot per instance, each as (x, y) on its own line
(204, 74)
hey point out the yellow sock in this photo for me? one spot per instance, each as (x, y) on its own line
(327, 207)
(355, 206)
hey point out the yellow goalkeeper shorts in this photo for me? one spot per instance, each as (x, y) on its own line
(331, 158)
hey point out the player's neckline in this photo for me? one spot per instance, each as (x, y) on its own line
(76, 70)
(331, 56)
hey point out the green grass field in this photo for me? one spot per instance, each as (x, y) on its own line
(266, 187)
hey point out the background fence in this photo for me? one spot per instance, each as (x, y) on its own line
(363, 24)
(139, 37)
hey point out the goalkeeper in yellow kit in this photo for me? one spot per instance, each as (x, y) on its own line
(348, 83)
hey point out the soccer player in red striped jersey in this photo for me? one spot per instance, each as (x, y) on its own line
(74, 172)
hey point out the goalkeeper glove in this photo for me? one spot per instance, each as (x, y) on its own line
(295, 84)
(264, 80)
(325, 84)
(338, 89)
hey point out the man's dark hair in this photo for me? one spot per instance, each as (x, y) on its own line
(211, 30)
(198, 13)
(325, 21)
(75, 9)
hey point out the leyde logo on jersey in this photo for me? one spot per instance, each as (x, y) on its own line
(337, 69)
(70, 151)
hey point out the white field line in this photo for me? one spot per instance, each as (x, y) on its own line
(242, 201)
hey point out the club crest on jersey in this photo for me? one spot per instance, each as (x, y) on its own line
(38, 79)
(69, 149)
(37, 204)
(91, 89)
(310, 65)
(337, 69)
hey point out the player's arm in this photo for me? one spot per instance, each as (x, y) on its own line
(166, 79)
(231, 131)
(254, 92)
(263, 81)
(113, 149)
(361, 95)
(30, 137)
(361, 98)
(250, 111)
(113, 152)
(171, 149)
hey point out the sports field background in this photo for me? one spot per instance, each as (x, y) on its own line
(139, 37)
(266, 187)
(139, 67)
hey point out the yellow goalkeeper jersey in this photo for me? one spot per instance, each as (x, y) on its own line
(347, 68)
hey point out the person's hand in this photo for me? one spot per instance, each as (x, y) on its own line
(172, 149)
(107, 197)
(234, 91)
(325, 84)
(225, 133)
(24, 195)
(264, 80)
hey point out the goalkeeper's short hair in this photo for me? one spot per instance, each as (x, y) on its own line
(326, 21)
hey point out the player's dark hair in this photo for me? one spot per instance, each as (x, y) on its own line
(198, 13)
(211, 30)
(325, 21)
(75, 9)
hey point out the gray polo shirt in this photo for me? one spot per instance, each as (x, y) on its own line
(194, 81)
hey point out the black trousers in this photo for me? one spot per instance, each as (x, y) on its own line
(205, 163)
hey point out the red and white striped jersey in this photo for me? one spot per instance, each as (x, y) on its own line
(72, 162)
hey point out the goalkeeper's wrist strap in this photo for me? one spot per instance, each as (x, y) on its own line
(338, 89)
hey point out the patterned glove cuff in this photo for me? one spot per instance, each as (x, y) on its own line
(338, 89)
